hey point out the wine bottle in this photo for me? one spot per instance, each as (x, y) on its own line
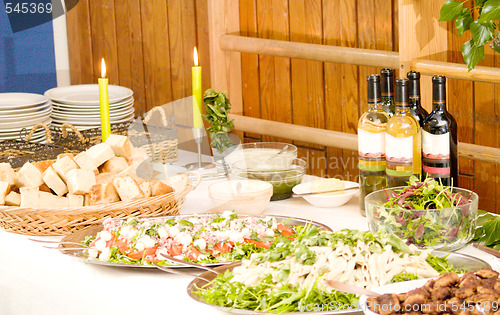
(371, 143)
(416, 108)
(387, 84)
(402, 140)
(439, 138)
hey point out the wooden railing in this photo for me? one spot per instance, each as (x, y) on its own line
(356, 56)
(341, 140)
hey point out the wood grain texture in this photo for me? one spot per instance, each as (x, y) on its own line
(485, 134)
(80, 44)
(130, 58)
(333, 85)
(307, 76)
(250, 64)
(350, 86)
(460, 102)
(102, 21)
(274, 76)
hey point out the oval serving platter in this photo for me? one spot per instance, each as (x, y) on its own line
(462, 261)
(79, 237)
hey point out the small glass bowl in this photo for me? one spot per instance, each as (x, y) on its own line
(263, 155)
(283, 180)
(249, 197)
(445, 229)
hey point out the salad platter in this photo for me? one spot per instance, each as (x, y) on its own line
(291, 278)
(206, 239)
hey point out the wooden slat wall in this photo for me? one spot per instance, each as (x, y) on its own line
(148, 46)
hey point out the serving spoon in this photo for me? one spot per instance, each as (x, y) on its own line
(187, 264)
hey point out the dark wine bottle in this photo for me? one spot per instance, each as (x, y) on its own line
(439, 138)
(416, 108)
(387, 86)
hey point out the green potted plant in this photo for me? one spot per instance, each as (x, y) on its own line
(217, 109)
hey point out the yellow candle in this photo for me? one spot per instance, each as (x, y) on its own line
(197, 107)
(104, 103)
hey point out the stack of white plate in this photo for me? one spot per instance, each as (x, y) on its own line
(20, 111)
(79, 105)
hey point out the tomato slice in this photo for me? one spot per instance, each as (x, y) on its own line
(285, 230)
(193, 253)
(222, 247)
(122, 245)
(175, 250)
(142, 253)
(260, 244)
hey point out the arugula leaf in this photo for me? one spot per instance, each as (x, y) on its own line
(450, 10)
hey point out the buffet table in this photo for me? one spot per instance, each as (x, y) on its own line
(36, 280)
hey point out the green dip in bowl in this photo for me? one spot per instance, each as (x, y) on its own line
(282, 180)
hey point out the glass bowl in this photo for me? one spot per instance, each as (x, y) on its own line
(249, 197)
(263, 155)
(282, 179)
(445, 229)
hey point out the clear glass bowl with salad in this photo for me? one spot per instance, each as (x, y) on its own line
(426, 214)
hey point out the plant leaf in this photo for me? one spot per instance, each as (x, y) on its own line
(463, 22)
(482, 33)
(490, 11)
(450, 10)
(472, 54)
(492, 229)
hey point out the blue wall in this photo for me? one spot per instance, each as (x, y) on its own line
(27, 61)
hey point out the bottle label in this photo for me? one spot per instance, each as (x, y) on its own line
(436, 154)
(371, 149)
(399, 155)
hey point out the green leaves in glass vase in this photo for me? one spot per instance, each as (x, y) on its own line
(218, 107)
(483, 29)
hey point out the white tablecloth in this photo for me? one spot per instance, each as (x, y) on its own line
(35, 280)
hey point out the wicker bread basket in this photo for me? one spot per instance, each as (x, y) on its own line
(65, 221)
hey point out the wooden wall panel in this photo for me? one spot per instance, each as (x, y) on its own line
(274, 76)
(333, 86)
(80, 44)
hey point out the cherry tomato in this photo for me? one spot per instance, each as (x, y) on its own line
(285, 230)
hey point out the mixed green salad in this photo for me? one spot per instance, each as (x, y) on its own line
(426, 214)
(291, 274)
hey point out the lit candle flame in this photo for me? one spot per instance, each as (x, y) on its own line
(103, 68)
(195, 57)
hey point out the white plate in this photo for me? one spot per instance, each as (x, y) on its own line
(28, 123)
(18, 134)
(79, 107)
(96, 108)
(20, 100)
(17, 129)
(92, 122)
(326, 200)
(96, 114)
(33, 109)
(87, 94)
(32, 115)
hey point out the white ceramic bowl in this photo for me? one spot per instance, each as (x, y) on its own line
(326, 200)
(243, 196)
